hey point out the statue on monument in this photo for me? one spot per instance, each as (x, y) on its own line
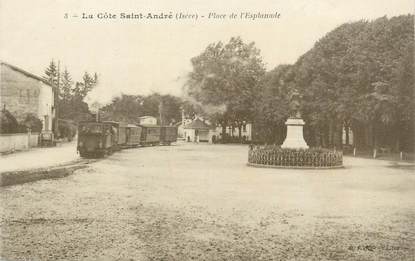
(295, 98)
(294, 123)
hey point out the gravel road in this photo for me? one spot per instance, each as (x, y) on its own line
(201, 202)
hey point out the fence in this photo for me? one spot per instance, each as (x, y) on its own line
(18, 141)
(315, 158)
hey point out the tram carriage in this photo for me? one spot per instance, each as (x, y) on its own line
(168, 134)
(97, 139)
(133, 135)
(120, 133)
(150, 135)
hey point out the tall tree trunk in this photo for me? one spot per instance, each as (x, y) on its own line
(356, 135)
(331, 134)
(325, 137)
(368, 135)
(397, 135)
(374, 135)
(223, 129)
(340, 134)
(347, 129)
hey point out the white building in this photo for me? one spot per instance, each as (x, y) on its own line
(200, 130)
(147, 120)
(180, 128)
(197, 131)
(23, 93)
(246, 132)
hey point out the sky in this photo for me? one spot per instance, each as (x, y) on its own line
(144, 56)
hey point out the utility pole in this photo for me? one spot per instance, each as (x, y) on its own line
(97, 115)
(57, 100)
(182, 116)
(160, 112)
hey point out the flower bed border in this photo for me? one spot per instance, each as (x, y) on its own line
(291, 167)
(277, 157)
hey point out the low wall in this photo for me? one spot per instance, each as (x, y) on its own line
(18, 141)
(34, 139)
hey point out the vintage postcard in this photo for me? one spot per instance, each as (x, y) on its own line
(207, 130)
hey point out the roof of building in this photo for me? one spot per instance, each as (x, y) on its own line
(145, 117)
(149, 125)
(197, 124)
(28, 74)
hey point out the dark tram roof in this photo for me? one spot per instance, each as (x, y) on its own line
(119, 123)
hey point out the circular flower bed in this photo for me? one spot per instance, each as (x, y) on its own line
(275, 156)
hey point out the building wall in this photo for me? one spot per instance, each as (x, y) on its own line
(189, 135)
(193, 135)
(181, 129)
(18, 141)
(208, 135)
(21, 95)
(45, 109)
(247, 132)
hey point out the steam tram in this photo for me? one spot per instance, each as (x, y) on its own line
(97, 139)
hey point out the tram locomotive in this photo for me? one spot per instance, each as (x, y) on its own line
(97, 139)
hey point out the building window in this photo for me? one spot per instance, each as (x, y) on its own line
(244, 128)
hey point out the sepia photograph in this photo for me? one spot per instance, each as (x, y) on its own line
(164, 130)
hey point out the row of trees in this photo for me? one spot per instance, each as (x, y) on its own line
(71, 94)
(359, 76)
(128, 108)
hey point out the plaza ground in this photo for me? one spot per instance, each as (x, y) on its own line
(201, 202)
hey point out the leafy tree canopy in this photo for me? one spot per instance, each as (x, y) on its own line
(227, 75)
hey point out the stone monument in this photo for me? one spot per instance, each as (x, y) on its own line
(295, 138)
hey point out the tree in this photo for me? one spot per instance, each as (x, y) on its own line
(129, 108)
(78, 91)
(70, 101)
(358, 77)
(8, 123)
(32, 122)
(126, 108)
(89, 82)
(82, 89)
(66, 86)
(167, 107)
(272, 106)
(51, 74)
(170, 109)
(226, 75)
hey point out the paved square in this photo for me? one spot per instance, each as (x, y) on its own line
(201, 202)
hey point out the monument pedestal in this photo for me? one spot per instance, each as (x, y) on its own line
(295, 138)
